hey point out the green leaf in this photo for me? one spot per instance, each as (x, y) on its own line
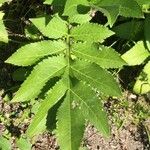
(3, 1)
(70, 125)
(58, 5)
(4, 143)
(147, 71)
(83, 148)
(80, 18)
(91, 32)
(44, 71)
(130, 8)
(101, 55)
(48, 2)
(118, 7)
(52, 28)
(73, 99)
(24, 144)
(77, 107)
(71, 7)
(91, 107)
(147, 31)
(125, 7)
(53, 96)
(3, 32)
(136, 55)
(20, 74)
(111, 12)
(131, 30)
(96, 77)
(32, 33)
(31, 53)
(77, 11)
(142, 84)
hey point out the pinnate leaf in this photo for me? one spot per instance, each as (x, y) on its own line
(91, 32)
(101, 55)
(53, 96)
(70, 125)
(91, 107)
(31, 53)
(44, 71)
(78, 107)
(96, 77)
(51, 27)
(80, 68)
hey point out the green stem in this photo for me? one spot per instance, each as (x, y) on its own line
(68, 55)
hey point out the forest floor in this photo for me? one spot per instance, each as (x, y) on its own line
(127, 132)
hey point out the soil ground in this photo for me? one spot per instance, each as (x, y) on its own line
(129, 136)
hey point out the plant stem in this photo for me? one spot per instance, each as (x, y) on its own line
(68, 55)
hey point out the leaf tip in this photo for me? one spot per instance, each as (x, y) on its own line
(8, 61)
